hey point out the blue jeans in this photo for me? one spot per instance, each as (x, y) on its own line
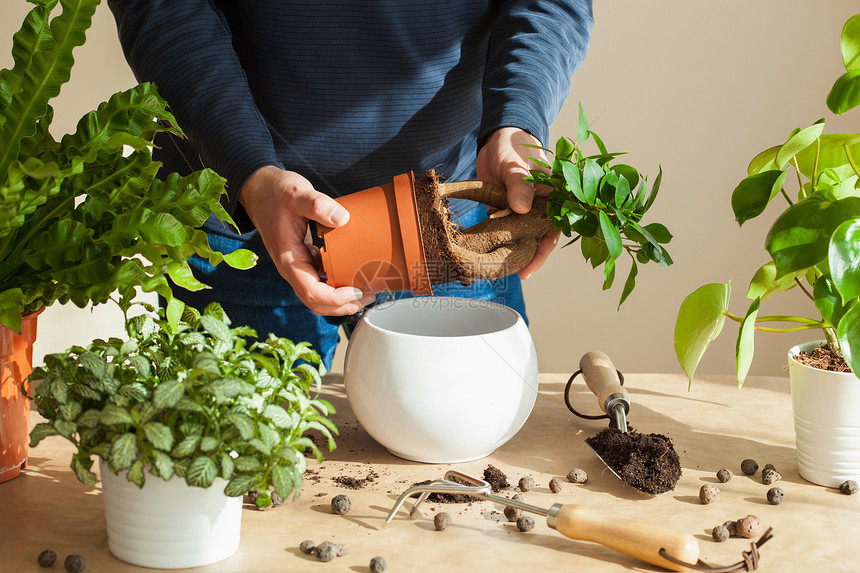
(262, 299)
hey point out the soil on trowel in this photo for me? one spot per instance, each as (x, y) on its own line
(648, 462)
(492, 475)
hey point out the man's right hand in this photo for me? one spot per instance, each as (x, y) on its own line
(280, 204)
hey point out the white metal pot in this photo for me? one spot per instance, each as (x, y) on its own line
(441, 379)
(169, 524)
(826, 421)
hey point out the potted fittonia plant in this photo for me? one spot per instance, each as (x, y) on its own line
(184, 411)
(590, 199)
(84, 216)
(813, 245)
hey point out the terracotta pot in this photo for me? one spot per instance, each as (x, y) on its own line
(827, 430)
(16, 363)
(380, 248)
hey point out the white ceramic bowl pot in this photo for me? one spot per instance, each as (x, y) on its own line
(169, 524)
(441, 379)
(826, 409)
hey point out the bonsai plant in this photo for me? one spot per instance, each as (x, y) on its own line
(191, 401)
(600, 203)
(80, 218)
(813, 245)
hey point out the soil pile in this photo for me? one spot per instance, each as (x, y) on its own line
(648, 462)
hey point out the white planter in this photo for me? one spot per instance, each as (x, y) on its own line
(169, 524)
(441, 379)
(826, 421)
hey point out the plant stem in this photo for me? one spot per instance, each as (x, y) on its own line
(799, 180)
(851, 161)
(789, 328)
(803, 288)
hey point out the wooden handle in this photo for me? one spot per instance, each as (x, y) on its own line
(601, 376)
(635, 538)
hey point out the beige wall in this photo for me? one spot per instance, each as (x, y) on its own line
(697, 87)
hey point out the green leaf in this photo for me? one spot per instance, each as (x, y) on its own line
(208, 444)
(610, 235)
(700, 320)
(571, 177)
(845, 93)
(135, 473)
(41, 431)
(46, 72)
(282, 481)
(797, 142)
(186, 446)
(655, 188)
(659, 232)
(630, 283)
(764, 161)
(159, 435)
(278, 416)
(112, 414)
(247, 464)
(800, 236)
(848, 333)
(828, 301)
(591, 176)
(123, 452)
(216, 328)
(744, 348)
(239, 485)
(245, 425)
(83, 472)
(167, 394)
(564, 149)
(202, 472)
(844, 259)
(850, 43)
(582, 125)
(765, 283)
(163, 464)
(754, 193)
(227, 466)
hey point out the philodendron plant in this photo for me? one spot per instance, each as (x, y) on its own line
(192, 400)
(86, 216)
(814, 244)
(603, 205)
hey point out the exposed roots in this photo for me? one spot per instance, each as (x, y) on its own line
(493, 248)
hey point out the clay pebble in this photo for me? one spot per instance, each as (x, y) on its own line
(512, 513)
(555, 485)
(75, 563)
(709, 493)
(47, 558)
(770, 476)
(775, 496)
(527, 483)
(577, 475)
(749, 466)
(442, 521)
(525, 523)
(720, 533)
(848, 487)
(340, 504)
(749, 526)
(724, 475)
(307, 546)
(378, 565)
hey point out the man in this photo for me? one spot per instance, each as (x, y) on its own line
(296, 102)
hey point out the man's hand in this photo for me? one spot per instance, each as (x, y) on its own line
(502, 160)
(280, 204)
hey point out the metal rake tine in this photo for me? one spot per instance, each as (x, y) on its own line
(439, 486)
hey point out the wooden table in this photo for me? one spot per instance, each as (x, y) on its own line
(713, 426)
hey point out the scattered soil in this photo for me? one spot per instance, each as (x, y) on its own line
(350, 482)
(496, 478)
(648, 462)
(493, 475)
(825, 357)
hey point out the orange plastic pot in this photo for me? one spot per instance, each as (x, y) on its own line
(380, 248)
(16, 363)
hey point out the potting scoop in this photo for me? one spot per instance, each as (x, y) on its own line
(644, 541)
(648, 462)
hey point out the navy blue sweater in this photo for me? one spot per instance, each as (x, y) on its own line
(350, 93)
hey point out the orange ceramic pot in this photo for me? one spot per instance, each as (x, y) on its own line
(16, 363)
(380, 248)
